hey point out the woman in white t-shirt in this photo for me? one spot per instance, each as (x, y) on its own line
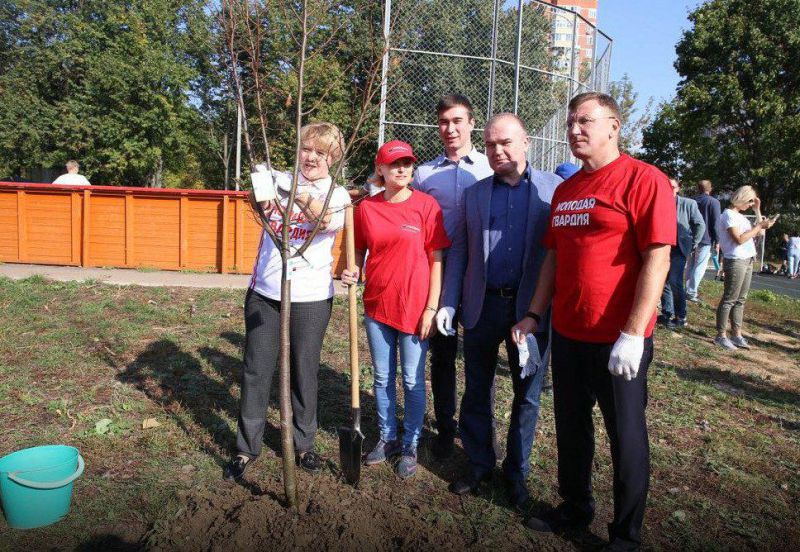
(738, 250)
(312, 292)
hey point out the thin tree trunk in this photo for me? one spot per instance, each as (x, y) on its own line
(287, 430)
(287, 437)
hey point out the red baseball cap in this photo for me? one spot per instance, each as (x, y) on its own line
(392, 151)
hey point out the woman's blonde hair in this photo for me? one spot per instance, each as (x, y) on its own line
(742, 196)
(326, 136)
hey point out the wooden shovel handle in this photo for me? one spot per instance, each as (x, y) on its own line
(350, 245)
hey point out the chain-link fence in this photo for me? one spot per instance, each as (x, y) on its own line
(527, 57)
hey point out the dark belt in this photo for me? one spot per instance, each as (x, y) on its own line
(507, 293)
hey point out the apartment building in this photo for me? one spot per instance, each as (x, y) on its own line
(570, 32)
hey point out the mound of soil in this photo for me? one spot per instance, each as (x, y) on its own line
(332, 516)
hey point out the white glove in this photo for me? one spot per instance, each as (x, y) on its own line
(444, 320)
(263, 184)
(532, 356)
(626, 355)
(523, 352)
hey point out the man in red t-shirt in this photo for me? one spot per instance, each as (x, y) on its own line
(609, 237)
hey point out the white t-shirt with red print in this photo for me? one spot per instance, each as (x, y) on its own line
(311, 274)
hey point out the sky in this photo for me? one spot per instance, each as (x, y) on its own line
(645, 33)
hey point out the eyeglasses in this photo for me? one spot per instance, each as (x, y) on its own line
(585, 121)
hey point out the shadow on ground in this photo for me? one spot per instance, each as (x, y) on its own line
(108, 543)
(737, 384)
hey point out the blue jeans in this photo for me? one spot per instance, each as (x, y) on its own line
(794, 264)
(697, 269)
(477, 423)
(384, 342)
(673, 298)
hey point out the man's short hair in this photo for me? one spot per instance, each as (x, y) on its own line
(507, 115)
(453, 100)
(72, 164)
(704, 186)
(603, 99)
(326, 136)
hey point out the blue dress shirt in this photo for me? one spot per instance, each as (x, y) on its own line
(508, 216)
(446, 181)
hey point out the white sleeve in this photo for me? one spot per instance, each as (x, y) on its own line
(727, 220)
(339, 200)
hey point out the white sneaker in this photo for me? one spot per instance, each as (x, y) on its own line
(725, 343)
(740, 342)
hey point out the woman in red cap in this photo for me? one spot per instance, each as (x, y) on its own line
(403, 230)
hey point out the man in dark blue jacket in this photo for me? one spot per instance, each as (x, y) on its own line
(709, 210)
(491, 273)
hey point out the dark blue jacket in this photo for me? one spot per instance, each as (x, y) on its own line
(709, 210)
(464, 280)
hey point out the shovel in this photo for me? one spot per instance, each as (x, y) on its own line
(351, 438)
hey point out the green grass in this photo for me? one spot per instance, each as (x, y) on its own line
(85, 364)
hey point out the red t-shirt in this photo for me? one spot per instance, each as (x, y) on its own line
(399, 237)
(600, 222)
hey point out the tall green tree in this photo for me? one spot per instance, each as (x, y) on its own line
(633, 124)
(108, 83)
(342, 45)
(663, 143)
(735, 119)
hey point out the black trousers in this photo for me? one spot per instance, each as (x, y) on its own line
(443, 350)
(581, 378)
(308, 322)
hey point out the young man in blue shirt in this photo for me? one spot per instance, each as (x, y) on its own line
(446, 178)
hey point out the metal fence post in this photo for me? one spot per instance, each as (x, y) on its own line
(517, 54)
(493, 63)
(595, 72)
(574, 72)
(387, 14)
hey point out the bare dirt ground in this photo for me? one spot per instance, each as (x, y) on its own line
(85, 364)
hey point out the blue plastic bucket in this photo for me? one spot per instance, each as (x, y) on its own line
(36, 484)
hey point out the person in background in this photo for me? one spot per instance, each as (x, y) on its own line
(566, 170)
(71, 177)
(716, 257)
(446, 178)
(793, 255)
(403, 231)
(691, 229)
(698, 260)
(311, 302)
(783, 254)
(736, 236)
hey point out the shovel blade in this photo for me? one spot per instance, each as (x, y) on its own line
(350, 444)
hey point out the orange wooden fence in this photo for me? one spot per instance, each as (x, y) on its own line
(203, 230)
